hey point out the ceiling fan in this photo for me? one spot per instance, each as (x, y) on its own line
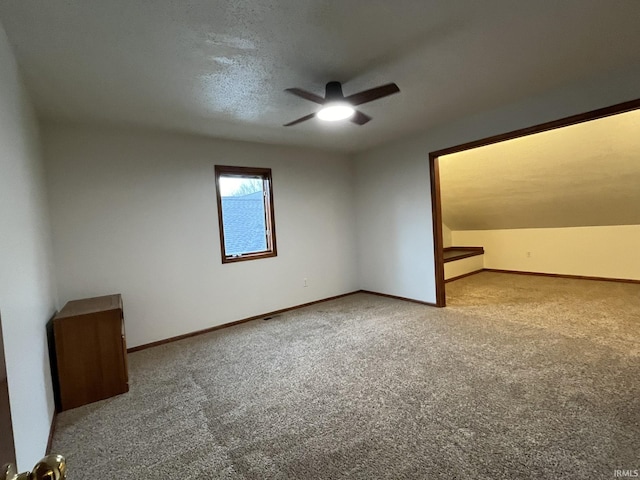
(335, 106)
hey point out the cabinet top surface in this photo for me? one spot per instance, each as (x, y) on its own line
(90, 305)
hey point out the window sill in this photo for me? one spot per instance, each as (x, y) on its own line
(249, 256)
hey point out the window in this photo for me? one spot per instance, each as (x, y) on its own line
(245, 213)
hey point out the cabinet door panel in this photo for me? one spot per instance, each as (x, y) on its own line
(91, 357)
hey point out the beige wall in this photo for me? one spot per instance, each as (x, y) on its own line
(446, 236)
(609, 252)
(134, 212)
(463, 266)
(27, 293)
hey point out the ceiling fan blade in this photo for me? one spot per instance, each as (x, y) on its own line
(372, 94)
(306, 95)
(360, 118)
(300, 120)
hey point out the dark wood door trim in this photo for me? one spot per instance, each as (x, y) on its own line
(436, 215)
(7, 447)
(436, 207)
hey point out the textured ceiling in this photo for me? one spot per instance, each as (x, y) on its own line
(219, 68)
(582, 175)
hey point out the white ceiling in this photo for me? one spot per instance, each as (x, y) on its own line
(582, 175)
(219, 67)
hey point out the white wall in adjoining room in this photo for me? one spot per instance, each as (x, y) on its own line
(604, 251)
(27, 292)
(393, 202)
(134, 212)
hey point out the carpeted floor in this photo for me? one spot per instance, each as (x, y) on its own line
(520, 377)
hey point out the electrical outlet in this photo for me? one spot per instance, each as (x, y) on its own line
(304, 282)
(528, 254)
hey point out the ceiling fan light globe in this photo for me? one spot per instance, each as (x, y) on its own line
(333, 112)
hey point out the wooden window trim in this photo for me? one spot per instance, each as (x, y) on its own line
(265, 173)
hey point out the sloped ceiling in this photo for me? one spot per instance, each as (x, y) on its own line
(582, 175)
(219, 67)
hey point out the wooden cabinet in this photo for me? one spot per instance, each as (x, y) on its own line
(90, 351)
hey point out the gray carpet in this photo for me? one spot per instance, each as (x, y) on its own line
(520, 377)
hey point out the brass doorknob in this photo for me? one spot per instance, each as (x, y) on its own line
(51, 467)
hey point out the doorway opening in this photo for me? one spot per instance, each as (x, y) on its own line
(434, 168)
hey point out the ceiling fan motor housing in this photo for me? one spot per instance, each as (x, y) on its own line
(333, 92)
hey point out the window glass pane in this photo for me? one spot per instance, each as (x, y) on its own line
(243, 214)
